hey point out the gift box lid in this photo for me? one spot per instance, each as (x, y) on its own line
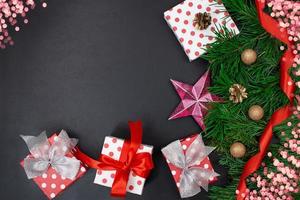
(51, 183)
(194, 41)
(205, 163)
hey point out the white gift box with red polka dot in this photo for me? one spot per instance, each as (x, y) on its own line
(113, 147)
(205, 163)
(194, 42)
(51, 183)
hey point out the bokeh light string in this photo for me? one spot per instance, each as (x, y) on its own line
(12, 12)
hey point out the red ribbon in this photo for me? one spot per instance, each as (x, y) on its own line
(139, 163)
(287, 86)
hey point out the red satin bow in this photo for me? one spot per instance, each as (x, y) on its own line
(287, 86)
(140, 164)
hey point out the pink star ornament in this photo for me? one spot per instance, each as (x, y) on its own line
(194, 99)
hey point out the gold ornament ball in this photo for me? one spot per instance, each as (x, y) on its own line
(249, 56)
(237, 150)
(256, 112)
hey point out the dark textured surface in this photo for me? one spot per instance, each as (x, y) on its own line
(89, 67)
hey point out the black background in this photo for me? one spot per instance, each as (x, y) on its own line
(89, 67)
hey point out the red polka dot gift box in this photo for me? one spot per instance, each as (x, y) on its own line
(190, 165)
(113, 148)
(194, 23)
(51, 182)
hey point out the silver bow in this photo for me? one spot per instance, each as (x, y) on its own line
(192, 176)
(45, 155)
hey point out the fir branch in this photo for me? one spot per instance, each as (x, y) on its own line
(227, 122)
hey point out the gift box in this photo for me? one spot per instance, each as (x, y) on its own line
(196, 164)
(183, 20)
(51, 182)
(113, 148)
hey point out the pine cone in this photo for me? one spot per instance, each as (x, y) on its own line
(202, 20)
(237, 93)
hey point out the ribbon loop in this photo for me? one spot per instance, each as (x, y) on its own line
(140, 163)
(44, 155)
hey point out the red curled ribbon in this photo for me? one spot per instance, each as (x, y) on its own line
(139, 163)
(287, 86)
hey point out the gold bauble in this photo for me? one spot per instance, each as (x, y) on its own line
(256, 112)
(237, 150)
(249, 56)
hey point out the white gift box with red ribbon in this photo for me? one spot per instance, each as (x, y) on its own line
(181, 20)
(113, 147)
